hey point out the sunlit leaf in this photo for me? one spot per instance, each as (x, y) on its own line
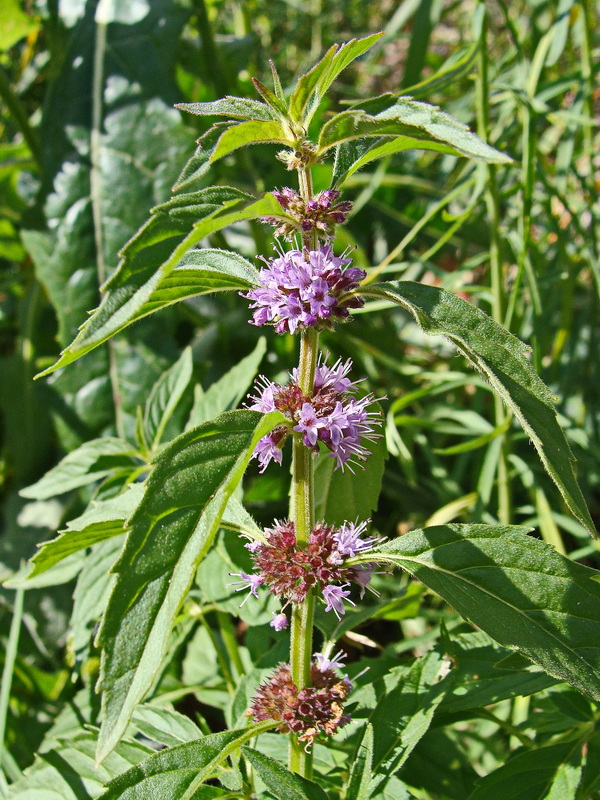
(502, 359)
(178, 771)
(170, 532)
(516, 588)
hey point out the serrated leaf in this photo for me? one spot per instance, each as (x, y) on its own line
(199, 164)
(278, 104)
(312, 87)
(164, 398)
(412, 120)
(361, 779)
(102, 520)
(226, 393)
(170, 532)
(403, 716)
(283, 784)
(247, 133)
(68, 772)
(178, 771)
(91, 462)
(502, 359)
(305, 88)
(349, 496)
(145, 282)
(535, 775)
(516, 588)
(232, 107)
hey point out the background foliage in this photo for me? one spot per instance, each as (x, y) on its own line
(90, 141)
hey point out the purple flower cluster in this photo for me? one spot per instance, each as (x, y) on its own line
(290, 572)
(331, 415)
(321, 214)
(304, 289)
(313, 711)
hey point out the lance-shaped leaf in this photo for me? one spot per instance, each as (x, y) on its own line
(91, 462)
(516, 588)
(178, 771)
(312, 87)
(405, 125)
(164, 398)
(361, 777)
(251, 132)
(403, 716)
(502, 359)
(231, 107)
(283, 784)
(199, 164)
(552, 772)
(144, 281)
(102, 520)
(170, 532)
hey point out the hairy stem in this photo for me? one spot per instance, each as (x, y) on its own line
(303, 513)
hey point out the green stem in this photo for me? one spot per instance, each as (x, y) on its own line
(96, 198)
(230, 641)
(19, 115)
(303, 514)
(496, 273)
(7, 675)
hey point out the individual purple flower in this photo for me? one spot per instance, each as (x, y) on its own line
(301, 289)
(309, 424)
(362, 575)
(348, 539)
(279, 622)
(324, 663)
(334, 597)
(250, 582)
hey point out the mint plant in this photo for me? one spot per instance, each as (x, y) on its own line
(170, 498)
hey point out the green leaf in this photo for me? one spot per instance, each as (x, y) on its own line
(502, 359)
(305, 89)
(359, 783)
(68, 772)
(165, 726)
(232, 107)
(88, 606)
(14, 24)
(144, 281)
(537, 774)
(456, 67)
(199, 164)
(170, 532)
(348, 496)
(91, 462)
(103, 520)
(516, 588)
(283, 784)
(247, 133)
(415, 122)
(276, 103)
(178, 771)
(481, 678)
(403, 716)
(164, 398)
(226, 393)
(312, 87)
